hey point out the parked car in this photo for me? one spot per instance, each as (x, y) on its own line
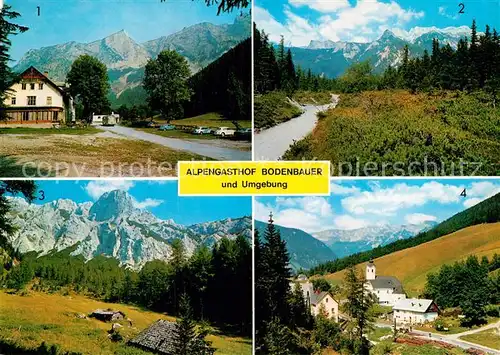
(202, 130)
(244, 133)
(151, 124)
(167, 127)
(224, 131)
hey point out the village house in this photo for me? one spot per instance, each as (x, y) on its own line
(36, 99)
(387, 289)
(107, 315)
(315, 300)
(415, 311)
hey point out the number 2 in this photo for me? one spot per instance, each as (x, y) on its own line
(462, 7)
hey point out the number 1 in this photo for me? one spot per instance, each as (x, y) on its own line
(38, 7)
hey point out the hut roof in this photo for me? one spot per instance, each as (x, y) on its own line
(158, 337)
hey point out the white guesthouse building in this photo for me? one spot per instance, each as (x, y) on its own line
(415, 311)
(387, 289)
(38, 100)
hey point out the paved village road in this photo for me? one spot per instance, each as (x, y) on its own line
(453, 339)
(206, 150)
(272, 143)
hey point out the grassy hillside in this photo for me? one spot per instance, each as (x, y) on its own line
(272, 109)
(29, 320)
(487, 211)
(394, 126)
(412, 265)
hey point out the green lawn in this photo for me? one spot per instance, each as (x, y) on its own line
(210, 120)
(10, 167)
(454, 327)
(177, 134)
(388, 347)
(66, 130)
(378, 332)
(489, 338)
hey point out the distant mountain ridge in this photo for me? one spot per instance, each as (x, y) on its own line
(112, 227)
(347, 242)
(333, 58)
(125, 59)
(305, 251)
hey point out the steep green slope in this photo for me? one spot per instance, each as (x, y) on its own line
(305, 250)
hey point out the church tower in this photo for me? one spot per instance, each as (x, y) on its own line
(370, 271)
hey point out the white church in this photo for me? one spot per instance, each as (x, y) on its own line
(387, 289)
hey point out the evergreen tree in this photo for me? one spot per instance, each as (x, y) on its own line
(277, 273)
(357, 306)
(279, 340)
(7, 29)
(300, 312)
(186, 339)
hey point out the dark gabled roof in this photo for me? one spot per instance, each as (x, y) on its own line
(34, 73)
(387, 282)
(158, 337)
(316, 298)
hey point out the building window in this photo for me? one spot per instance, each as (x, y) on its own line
(23, 86)
(26, 116)
(326, 301)
(32, 86)
(40, 86)
(13, 101)
(31, 100)
(54, 116)
(49, 100)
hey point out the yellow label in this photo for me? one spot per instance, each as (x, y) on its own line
(252, 178)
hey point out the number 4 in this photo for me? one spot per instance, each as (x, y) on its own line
(464, 193)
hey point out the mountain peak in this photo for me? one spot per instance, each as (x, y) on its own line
(111, 205)
(388, 34)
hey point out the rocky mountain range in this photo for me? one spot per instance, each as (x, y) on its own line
(347, 242)
(125, 59)
(333, 58)
(305, 251)
(112, 227)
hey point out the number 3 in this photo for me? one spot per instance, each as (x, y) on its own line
(42, 195)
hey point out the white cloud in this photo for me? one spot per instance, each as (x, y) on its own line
(339, 189)
(310, 214)
(349, 222)
(96, 188)
(442, 11)
(149, 202)
(362, 22)
(387, 201)
(321, 5)
(480, 191)
(418, 218)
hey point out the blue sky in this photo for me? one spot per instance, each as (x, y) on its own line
(361, 203)
(365, 20)
(86, 21)
(159, 197)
